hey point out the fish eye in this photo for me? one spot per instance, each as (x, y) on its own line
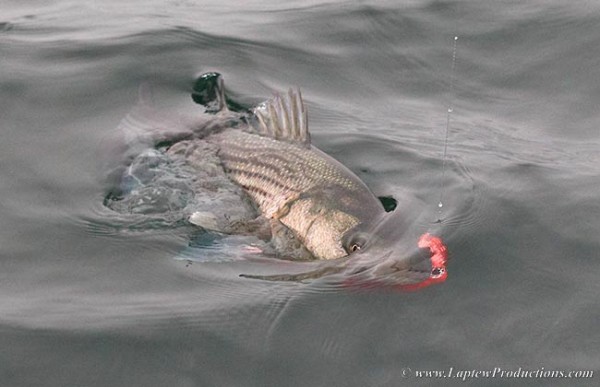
(355, 243)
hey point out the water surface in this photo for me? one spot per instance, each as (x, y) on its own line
(86, 303)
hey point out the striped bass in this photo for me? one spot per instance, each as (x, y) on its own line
(307, 196)
(324, 204)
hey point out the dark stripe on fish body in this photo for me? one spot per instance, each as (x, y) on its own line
(255, 190)
(282, 166)
(274, 166)
(260, 178)
(287, 157)
(265, 152)
(252, 189)
(253, 162)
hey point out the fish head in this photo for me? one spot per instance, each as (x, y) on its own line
(392, 253)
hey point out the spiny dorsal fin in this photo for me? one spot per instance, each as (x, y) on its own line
(284, 118)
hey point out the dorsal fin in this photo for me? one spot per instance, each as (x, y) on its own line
(284, 118)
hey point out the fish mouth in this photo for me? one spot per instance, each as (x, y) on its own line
(383, 271)
(427, 266)
(439, 255)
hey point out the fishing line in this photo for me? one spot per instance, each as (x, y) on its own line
(448, 114)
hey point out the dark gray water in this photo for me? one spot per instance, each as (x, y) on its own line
(84, 302)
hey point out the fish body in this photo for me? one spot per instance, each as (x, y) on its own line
(299, 186)
(323, 204)
(303, 191)
(316, 208)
